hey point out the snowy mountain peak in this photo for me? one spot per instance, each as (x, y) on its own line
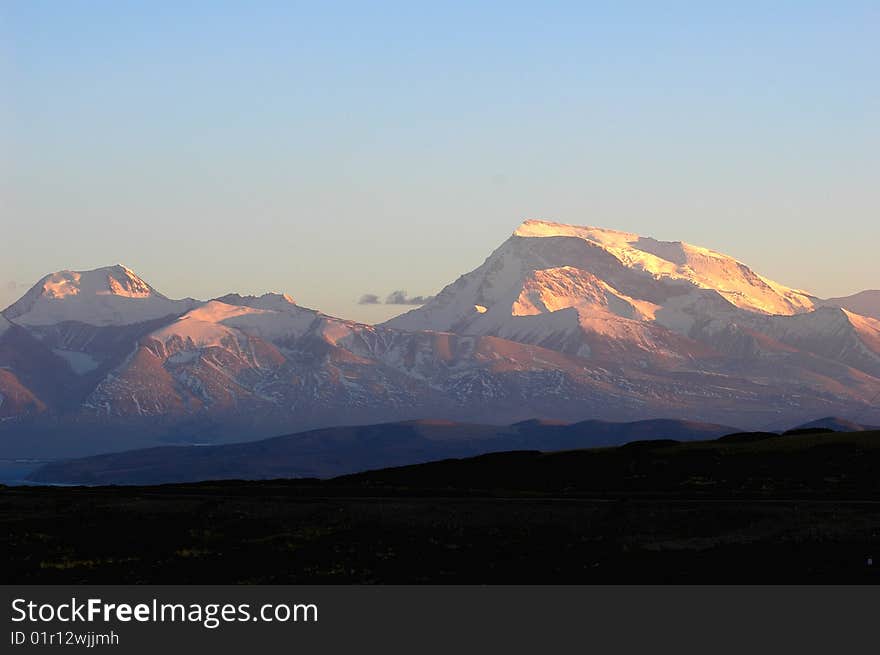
(115, 280)
(534, 227)
(272, 301)
(122, 281)
(545, 267)
(112, 295)
(677, 260)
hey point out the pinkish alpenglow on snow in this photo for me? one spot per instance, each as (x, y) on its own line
(563, 322)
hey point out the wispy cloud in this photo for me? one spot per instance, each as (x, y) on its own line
(399, 297)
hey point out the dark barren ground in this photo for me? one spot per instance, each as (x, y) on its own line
(787, 509)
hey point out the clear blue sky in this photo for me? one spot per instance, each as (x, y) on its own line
(334, 149)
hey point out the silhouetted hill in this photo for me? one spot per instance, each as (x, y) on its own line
(749, 464)
(337, 451)
(746, 437)
(835, 423)
(797, 431)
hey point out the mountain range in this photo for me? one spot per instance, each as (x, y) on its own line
(561, 322)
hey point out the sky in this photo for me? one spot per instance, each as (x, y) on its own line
(330, 150)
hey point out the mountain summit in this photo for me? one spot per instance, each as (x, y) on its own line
(113, 295)
(620, 297)
(676, 260)
(545, 267)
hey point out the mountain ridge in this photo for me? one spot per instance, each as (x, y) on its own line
(329, 452)
(562, 322)
(347, 450)
(866, 303)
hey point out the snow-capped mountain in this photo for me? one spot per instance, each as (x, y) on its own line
(601, 274)
(615, 296)
(560, 321)
(105, 296)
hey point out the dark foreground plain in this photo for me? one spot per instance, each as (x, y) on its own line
(755, 508)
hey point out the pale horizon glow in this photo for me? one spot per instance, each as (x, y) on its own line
(339, 150)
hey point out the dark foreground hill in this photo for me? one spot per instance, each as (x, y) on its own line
(836, 424)
(796, 509)
(765, 465)
(337, 451)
